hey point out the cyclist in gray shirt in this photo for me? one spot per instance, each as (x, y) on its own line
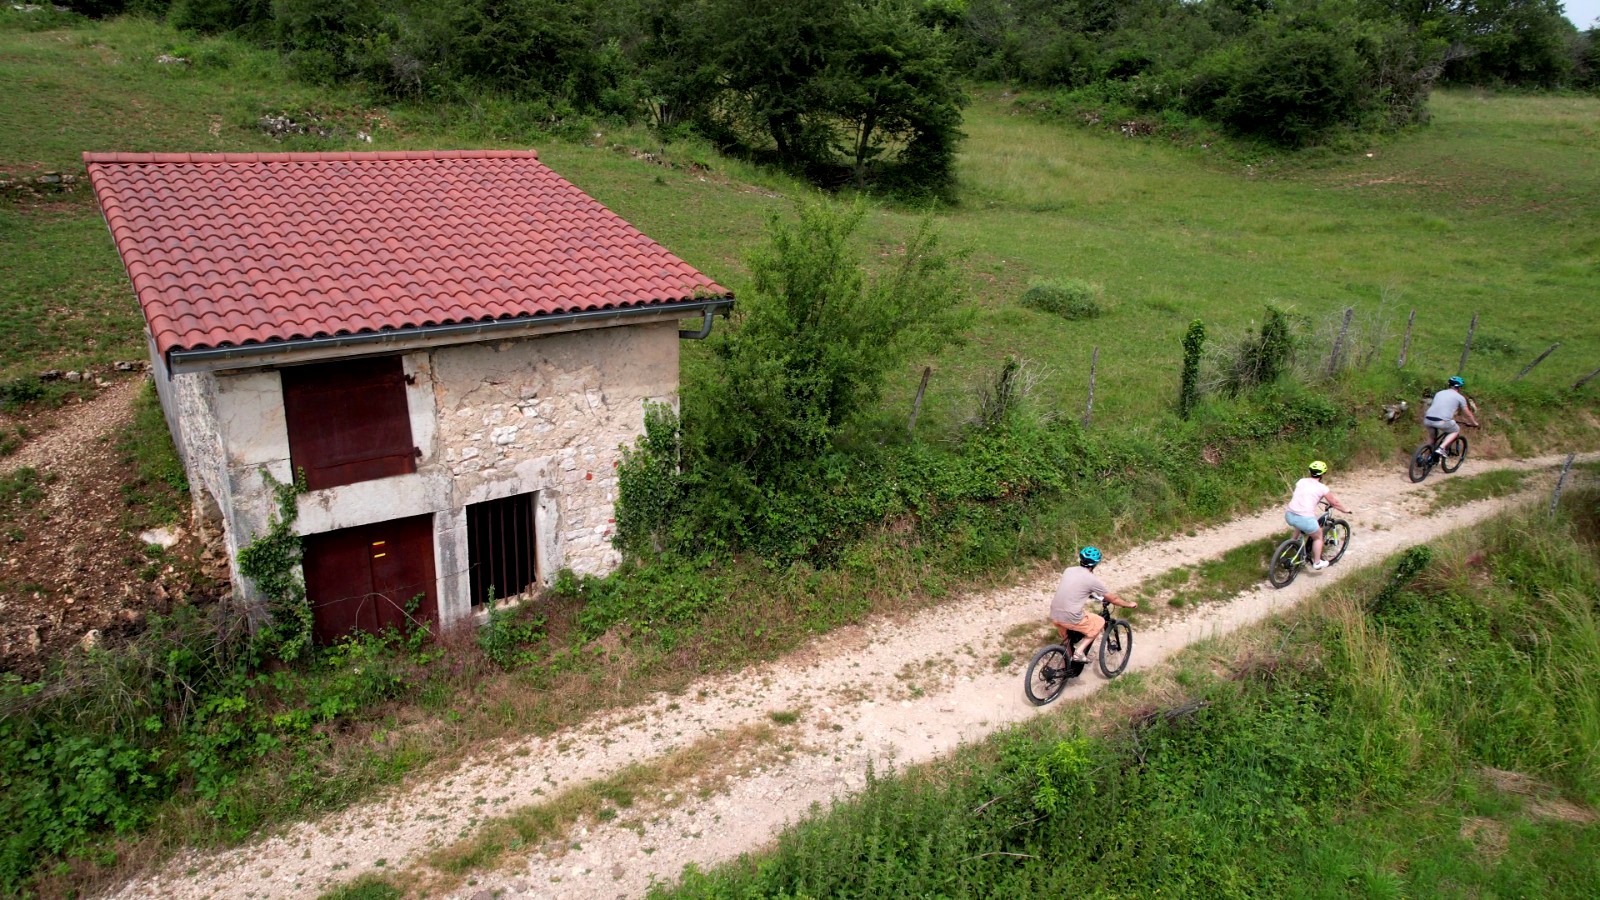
(1441, 414)
(1077, 587)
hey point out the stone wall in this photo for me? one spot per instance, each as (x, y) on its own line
(551, 414)
(546, 415)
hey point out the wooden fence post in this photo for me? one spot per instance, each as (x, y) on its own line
(1467, 347)
(1088, 410)
(1529, 367)
(1405, 345)
(916, 405)
(1578, 385)
(1555, 498)
(1338, 342)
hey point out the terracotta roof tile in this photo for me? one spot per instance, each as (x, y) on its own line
(227, 249)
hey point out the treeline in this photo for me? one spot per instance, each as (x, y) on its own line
(867, 92)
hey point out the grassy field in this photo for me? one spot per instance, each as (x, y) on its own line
(1425, 733)
(1487, 211)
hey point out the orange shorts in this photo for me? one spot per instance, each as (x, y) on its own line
(1090, 624)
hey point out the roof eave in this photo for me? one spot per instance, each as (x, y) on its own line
(398, 340)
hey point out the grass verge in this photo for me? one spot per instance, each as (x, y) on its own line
(1483, 486)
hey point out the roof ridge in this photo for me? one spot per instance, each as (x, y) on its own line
(103, 158)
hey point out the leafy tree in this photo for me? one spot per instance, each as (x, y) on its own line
(836, 86)
(769, 57)
(813, 339)
(891, 83)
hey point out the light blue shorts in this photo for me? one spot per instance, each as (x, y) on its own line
(1306, 524)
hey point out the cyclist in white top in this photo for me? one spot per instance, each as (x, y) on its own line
(1302, 511)
(1441, 414)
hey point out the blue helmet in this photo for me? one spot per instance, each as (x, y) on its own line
(1088, 557)
(1456, 382)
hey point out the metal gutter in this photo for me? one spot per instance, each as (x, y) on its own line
(306, 349)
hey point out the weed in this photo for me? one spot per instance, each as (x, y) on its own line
(22, 487)
(784, 717)
(510, 634)
(18, 392)
(12, 439)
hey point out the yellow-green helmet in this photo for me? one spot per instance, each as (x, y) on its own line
(1318, 468)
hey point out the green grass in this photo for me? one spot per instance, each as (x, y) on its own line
(1483, 486)
(157, 490)
(1462, 217)
(1211, 580)
(367, 887)
(1430, 734)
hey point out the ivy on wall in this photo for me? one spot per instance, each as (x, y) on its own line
(272, 561)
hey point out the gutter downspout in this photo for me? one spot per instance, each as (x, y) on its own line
(705, 327)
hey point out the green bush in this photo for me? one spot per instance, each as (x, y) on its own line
(1068, 298)
(1260, 358)
(20, 391)
(1292, 84)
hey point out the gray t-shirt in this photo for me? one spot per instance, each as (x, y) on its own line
(1445, 405)
(1077, 583)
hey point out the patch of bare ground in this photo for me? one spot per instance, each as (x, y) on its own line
(899, 690)
(1489, 838)
(72, 571)
(1543, 801)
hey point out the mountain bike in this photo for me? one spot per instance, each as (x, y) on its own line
(1053, 666)
(1423, 461)
(1296, 551)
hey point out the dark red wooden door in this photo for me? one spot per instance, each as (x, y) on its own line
(363, 578)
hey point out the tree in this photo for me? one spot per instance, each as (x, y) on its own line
(891, 83)
(812, 341)
(858, 86)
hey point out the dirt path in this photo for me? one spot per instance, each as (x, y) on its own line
(888, 693)
(64, 554)
(76, 430)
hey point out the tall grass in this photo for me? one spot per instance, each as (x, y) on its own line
(1356, 747)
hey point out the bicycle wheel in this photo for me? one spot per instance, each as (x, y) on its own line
(1285, 563)
(1421, 462)
(1116, 645)
(1047, 674)
(1455, 454)
(1335, 540)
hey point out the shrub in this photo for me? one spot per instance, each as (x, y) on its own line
(1293, 86)
(20, 391)
(1194, 342)
(1257, 359)
(649, 486)
(1068, 298)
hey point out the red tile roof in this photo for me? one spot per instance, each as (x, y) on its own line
(231, 249)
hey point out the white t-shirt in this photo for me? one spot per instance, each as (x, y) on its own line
(1307, 491)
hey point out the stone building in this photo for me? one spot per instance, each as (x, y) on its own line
(452, 346)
